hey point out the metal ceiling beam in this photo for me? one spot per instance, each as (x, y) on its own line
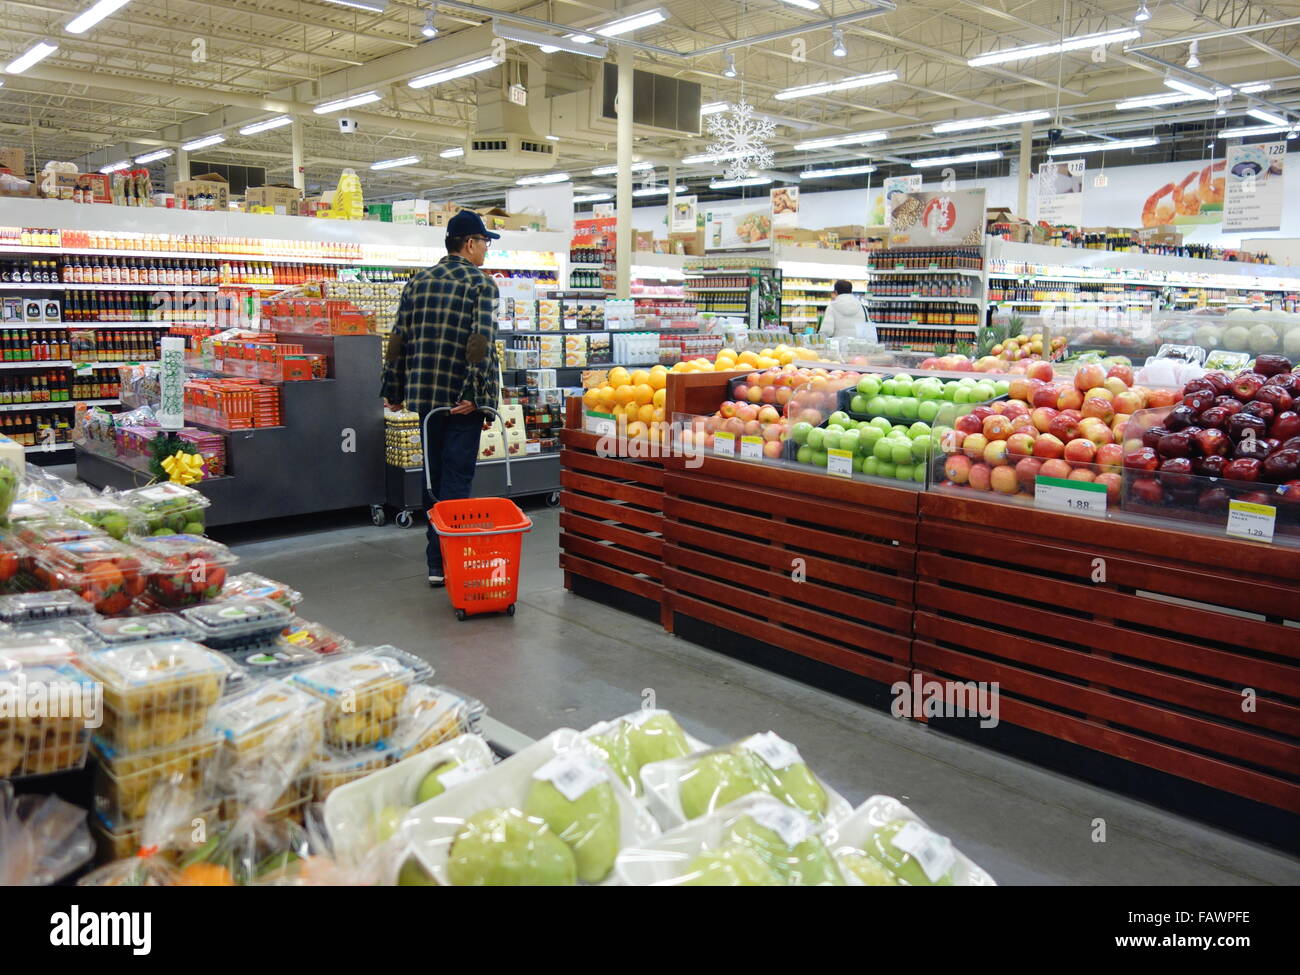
(1211, 35)
(1245, 37)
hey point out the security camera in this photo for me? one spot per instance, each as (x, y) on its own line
(1054, 136)
(348, 126)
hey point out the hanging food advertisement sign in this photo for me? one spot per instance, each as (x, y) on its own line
(1253, 200)
(927, 218)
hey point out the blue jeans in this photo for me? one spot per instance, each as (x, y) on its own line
(451, 453)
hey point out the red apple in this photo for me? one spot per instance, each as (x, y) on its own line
(1142, 459)
(1243, 469)
(727, 410)
(1122, 372)
(1289, 493)
(1055, 468)
(1258, 407)
(1210, 440)
(1013, 408)
(1089, 376)
(1100, 408)
(1080, 451)
(734, 426)
(768, 414)
(754, 394)
(768, 394)
(1046, 395)
(1147, 490)
(1027, 471)
(1095, 430)
(1112, 482)
(1082, 474)
(1110, 458)
(1245, 386)
(1229, 403)
(980, 477)
(1175, 444)
(1271, 365)
(1023, 422)
(1020, 445)
(1285, 425)
(1157, 398)
(1200, 400)
(981, 413)
(1282, 400)
(973, 446)
(1129, 402)
(997, 427)
(1176, 472)
(957, 469)
(969, 423)
(1048, 446)
(1113, 385)
(1070, 399)
(773, 431)
(1003, 479)
(1042, 371)
(1021, 388)
(1118, 426)
(1282, 465)
(1043, 416)
(1065, 425)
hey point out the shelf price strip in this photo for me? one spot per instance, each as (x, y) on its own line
(1253, 521)
(1076, 497)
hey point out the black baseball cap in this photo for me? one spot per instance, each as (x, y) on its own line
(467, 223)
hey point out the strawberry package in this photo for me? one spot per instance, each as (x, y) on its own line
(187, 569)
(104, 572)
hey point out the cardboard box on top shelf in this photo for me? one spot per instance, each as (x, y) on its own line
(495, 218)
(797, 237)
(414, 212)
(848, 231)
(692, 245)
(663, 246)
(643, 240)
(14, 160)
(279, 197)
(1164, 234)
(994, 215)
(213, 184)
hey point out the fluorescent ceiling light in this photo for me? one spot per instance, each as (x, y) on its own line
(657, 190)
(836, 171)
(704, 157)
(1196, 91)
(39, 50)
(154, 156)
(1141, 143)
(1258, 130)
(1253, 87)
(806, 4)
(548, 42)
(592, 198)
(352, 101)
(726, 184)
(552, 138)
(1041, 50)
(636, 167)
(1266, 116)
(626, 25)
(455, 153)
(857, 81)
(83, 22)
(962, 125)
(841, 140)
(966, 157)
(114, 167)
(266, 125)
(448, 74)
(207, 140)
(1151, 101)
(713, 108)
(374, 6)
(394, 163)
(543, 178)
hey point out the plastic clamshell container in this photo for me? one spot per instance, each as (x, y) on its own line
(250, 721)
(431, 715)
(41, 744)
(188, 569)
(254, 586)
(350, 810)
(364, 692)
(332, 771)
(30, 511)
(168, 507)
(120, 844)
(135, 629)
(22, 649)
(235, 624)
(316, 637)
(53, 529)
(107, 514)
(156, 693)
(35, 607)
(432, 826)
(123, 781)
(106, 573)
(275, 659)
(78, 635)
(11, 556)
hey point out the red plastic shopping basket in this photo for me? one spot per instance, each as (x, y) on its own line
(481, 539)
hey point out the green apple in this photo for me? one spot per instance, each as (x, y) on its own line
(851, 441)
(885, 469)
(921, 447)
(616, 749)
(918, 428)
(656, 739)
(909, 407)
(858, 404)
(731, 866)
(1001, 386)
(869, 386)
(839, 417)
(589, 824)
(903, 472)
(797, 786)
(880, 847)
(722, 777)
(804, 455)
(947, 415)
(835, 428)
(388, 821)
(505, 848)
(870, 465)
(902, 387)
(819, 458)
(831, 440)
(869, 434)
(967, 381)
(898, 428)
(799, 432)
(413, 874)
(858, 461)
(950, 388)
(881, 423)
(806, 864)
(887, 388)
(985, 391)
(902, 452)
(815, 437)
(928, 410)
(919, 472)
(883, 449)
(959, 394)
(876, 406)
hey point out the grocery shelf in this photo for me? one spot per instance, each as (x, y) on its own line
(964, 301)
(573, 264)
(705, 287)
(967, 271)
(67, 286)
(188, 255)
(63, 324)
(1076, 304)
(47, 448)
(59, 405)
(35, 363)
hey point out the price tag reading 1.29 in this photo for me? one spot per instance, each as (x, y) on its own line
(751, 448)
(1077, 497)
(1247, 520)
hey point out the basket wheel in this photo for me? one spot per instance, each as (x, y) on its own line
(404, 519)
(460, 615)
(510, 610)
(377, 514)
(553, 499)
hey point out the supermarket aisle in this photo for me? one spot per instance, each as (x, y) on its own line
(565, 661)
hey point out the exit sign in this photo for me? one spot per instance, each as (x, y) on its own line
(518, 94)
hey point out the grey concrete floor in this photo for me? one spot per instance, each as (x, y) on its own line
(564, 661)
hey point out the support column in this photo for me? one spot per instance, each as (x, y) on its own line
(1026, 160)
(182, 165)
(299, 173)
(672, 199)
(623, 196)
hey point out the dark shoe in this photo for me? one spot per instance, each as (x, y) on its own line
(437, 582)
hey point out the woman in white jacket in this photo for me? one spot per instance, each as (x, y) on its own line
(845, 317)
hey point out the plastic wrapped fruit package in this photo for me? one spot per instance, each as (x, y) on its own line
(260, 724)
(48, 729)
(550, 815)
(431, 715)
(367, 812)
(123, 843)
(236, 625)
(115, 518)
(124, 781)
(756, 841)
(277, 659)
(77, 635)
(24, 511)
(637, 739)
(137, 629)
(167, 807)
(169, 509)
(188, 569)
(104, 572)
(156, 693)
(254, 586)
(331, 771)
(682, 789)
(315, 637)
(42, 839)
(883, 843)
(54, 529)
(364, 693)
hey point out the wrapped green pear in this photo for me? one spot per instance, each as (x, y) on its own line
(867, 870)
(505, 848)
(720, 778)
(915, 855)
(617, 750)
(588, 823)
(656, 738)
(731, 866)
(798, 786)
(413, 874)
(388, 821)
(805, 862)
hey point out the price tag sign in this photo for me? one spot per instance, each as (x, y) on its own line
(573, 773)
(839, 462)
(791, 825)
(724, 444)
(916, 294)
(532, 447)
(1077, 497)
(523, 324)
(601, 424)
(772, 749)
(1247, 520)
(934, 266)
(571, 324)
(751, 448)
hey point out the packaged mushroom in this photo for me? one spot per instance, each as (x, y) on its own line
(363, 693)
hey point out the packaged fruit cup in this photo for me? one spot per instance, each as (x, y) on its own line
(123, 782)
(316, 637)
(236, 625)
(266, 715)
(255, 586)
(104, 572)
(188, 569)
(41, 744)
(37, 607)
(276, 659)
(331, 771)
(109, 515)
(364, 692)
(120, 844)
(157, 693)
(431, 715)
(136, 629)
(169, 509)
(53, 529)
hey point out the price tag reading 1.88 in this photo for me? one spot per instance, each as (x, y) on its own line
(724, 444)
(1247, 520)
(1076, 497)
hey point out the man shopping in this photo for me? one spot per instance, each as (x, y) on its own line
(443, 353)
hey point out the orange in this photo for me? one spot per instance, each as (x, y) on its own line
(624, 394)
(636, 429)
(640, 377)
(205, 875)
(643, 394)
(618, 376)
(657, 414)
(605, 396)
(645, 413)
(591, 399)
(660, 397)
(658, 377)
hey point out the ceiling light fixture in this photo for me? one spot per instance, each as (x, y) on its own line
(549, 43)
(203, 143)
(592, 197)
(39, 50)
(837, 44)
(626, 25)
(266, 125)
(658, 190)
(846, 84)
(1152, 101)
(430, 29)
(727, 184)
(154, 156)
(1272, 118)
(1252, 88)
(455, 153)
(1196, 91)
(83, 22)
(713, 108)
(371, 6)
(352, 101)
(836, 171)
(1143, 14)
(1116, 145)
(966, 157)
(706, 157)
(730, 70)
(1258, 130)
(992, 121)
(552, 138)
(636, 167)
(841, 140)
(450, 74)
(114, 167)
(1194, 55)
(806, 4)
(1080, 43)
(394, 163)
(542, 178)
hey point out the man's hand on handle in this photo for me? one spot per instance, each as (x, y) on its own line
(463, 407)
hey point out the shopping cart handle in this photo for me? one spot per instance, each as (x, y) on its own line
(424, 443)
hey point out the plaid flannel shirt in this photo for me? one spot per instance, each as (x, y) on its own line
(443, 346)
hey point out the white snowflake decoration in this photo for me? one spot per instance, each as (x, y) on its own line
(741, 138)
